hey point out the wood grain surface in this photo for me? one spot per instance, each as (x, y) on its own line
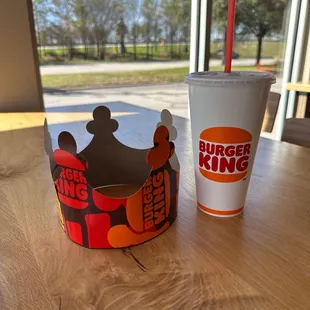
(259, 260)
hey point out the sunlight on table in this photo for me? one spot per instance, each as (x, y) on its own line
(15, 121)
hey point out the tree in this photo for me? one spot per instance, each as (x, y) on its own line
(186, 22)
(155, 26)
(147, 12)
(219, 16)
(57, 36)
(261, 18)
(40, 11)
(63, 13)
(121, 32)
(133, 14)
(150, 28)
(256, 17)
(172, 14)
(135, 29)
(81, 22)
(103, 19)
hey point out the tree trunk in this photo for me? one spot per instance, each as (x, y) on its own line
(186, 46)
(70, 48)
(147, 44)
(171, 44)
(134, 44)
(84, 41)
(155, 36)
(166, 34)
(98, 50)
(39, 47)
(123, 48)
(43, 44)
(102, 54)
(39, 40)
(85, 50)
(134, 49)
(259, 50)
(39, 44)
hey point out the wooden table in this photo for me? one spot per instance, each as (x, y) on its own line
(260, 260)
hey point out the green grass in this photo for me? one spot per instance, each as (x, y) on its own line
(248, 49)
(52, 56)
(244, 49)
(121, 78)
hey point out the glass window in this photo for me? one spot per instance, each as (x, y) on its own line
(101, 51)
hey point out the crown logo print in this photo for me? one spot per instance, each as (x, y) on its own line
(111, 195)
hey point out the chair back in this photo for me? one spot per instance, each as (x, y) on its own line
(271, 111)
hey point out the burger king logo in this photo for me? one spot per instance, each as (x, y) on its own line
(224, 153)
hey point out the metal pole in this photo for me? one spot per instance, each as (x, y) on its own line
(306, 73)
(202, 35)
(298, 55)
(302, 100)
(208, 35)
(194, 48)
(287, 69)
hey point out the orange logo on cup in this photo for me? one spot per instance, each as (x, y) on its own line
(224, 153)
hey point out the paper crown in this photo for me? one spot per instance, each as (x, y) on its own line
(111, 195)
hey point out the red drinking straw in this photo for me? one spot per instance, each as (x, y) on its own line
(230, 34)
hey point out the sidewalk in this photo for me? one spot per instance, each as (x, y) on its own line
(135, 66)
(155, 97)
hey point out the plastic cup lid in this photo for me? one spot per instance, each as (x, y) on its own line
(234, 78)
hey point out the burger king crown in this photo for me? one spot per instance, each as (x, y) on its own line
(99, 220)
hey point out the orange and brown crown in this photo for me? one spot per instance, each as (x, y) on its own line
(92, 216)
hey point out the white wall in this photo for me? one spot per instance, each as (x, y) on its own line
(20, 86)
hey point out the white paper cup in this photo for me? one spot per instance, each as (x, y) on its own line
(227, 111)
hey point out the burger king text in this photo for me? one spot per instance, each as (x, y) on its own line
(224, 158)
(154, 201)
(72, 183)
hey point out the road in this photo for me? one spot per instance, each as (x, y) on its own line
(155, 97)
(135, 66)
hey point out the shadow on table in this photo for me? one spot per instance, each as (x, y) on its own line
(136, 129)
(131, 120)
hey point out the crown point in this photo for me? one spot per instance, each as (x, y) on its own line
(161, 151)
(101, 112)
(166, 117)
(161, 134)
(167, 121)
(67, 142)
(102, 121)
